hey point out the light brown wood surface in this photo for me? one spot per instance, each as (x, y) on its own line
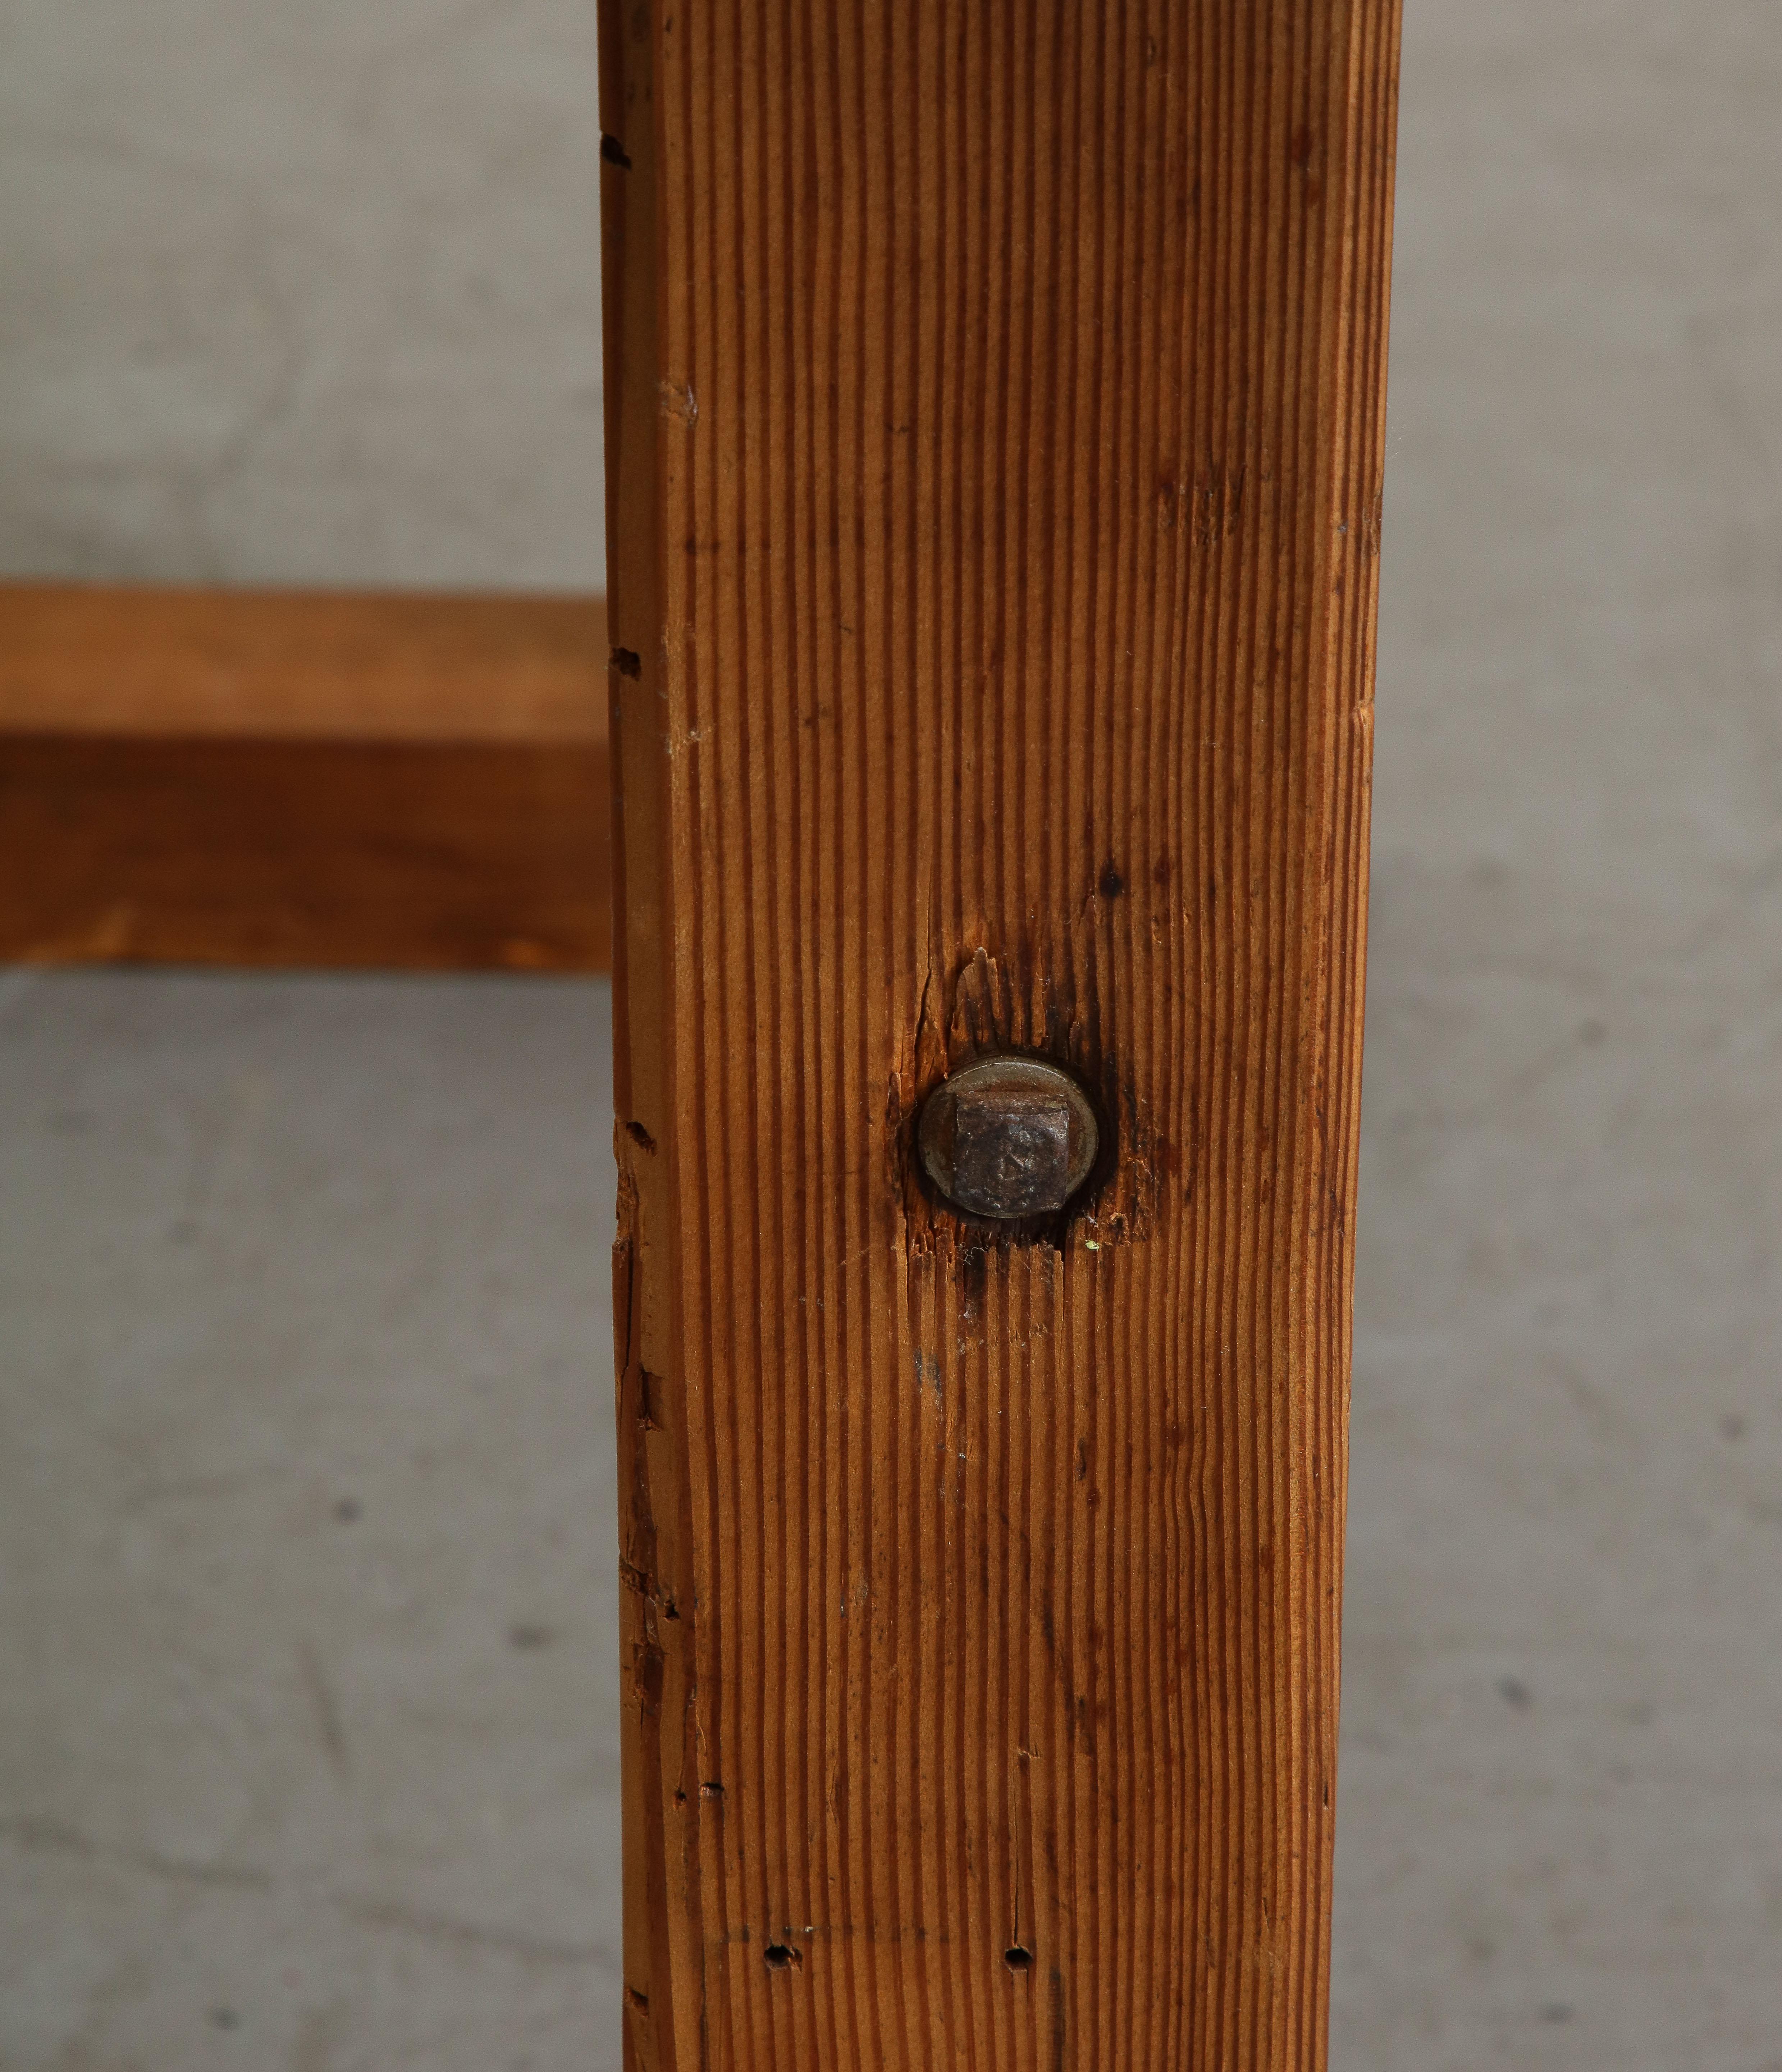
(996, 412)
(302, 778)
(297, 664)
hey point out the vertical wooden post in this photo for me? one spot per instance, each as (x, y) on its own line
(995, 413)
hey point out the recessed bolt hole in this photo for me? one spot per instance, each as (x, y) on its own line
(1017, 1959)
(781, 1957)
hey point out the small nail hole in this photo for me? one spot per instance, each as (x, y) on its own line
(781, 1956)
(1017, 1959)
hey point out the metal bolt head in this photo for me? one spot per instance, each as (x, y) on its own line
(1008, 1137)
(1011, 1151)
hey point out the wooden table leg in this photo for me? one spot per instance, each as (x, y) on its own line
(995, 415)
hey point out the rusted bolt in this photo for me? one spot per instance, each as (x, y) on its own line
(1008, 1137)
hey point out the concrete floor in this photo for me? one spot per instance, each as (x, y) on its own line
(305, 1522)
(301, 294)
(308, 1734)
(1560, 1835)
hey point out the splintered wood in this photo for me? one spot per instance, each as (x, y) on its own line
(996, 404)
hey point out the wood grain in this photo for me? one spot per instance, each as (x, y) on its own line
(995, 410)
(301, 779)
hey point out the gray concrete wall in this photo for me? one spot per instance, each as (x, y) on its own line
(300, 293)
